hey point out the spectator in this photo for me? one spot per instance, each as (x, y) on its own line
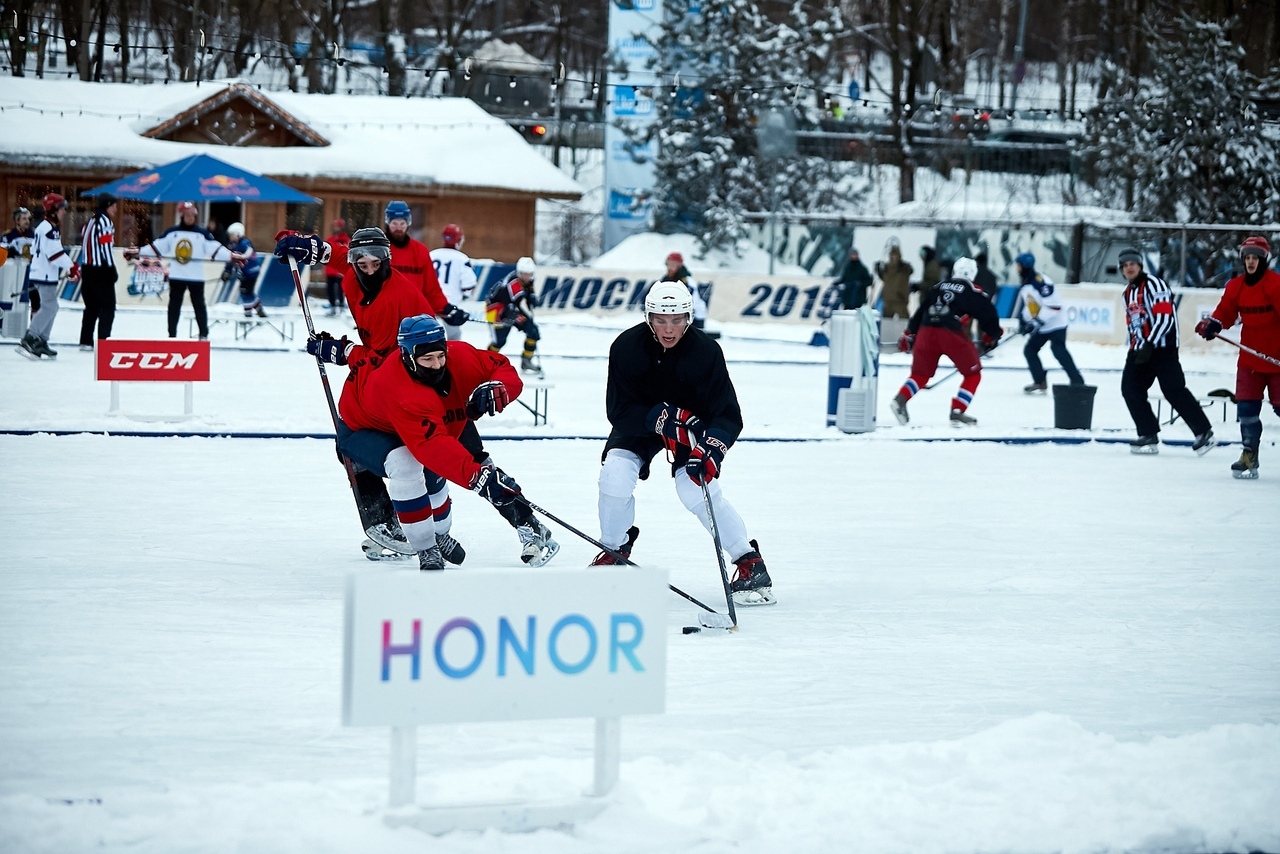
(985, 279)
(854, 282)
(98, 278)
(48, 262)
(896, 275)
(678, 272)
(336, 267)
(246, 271)
(930, 272)
(1045, 322)
(17, 242)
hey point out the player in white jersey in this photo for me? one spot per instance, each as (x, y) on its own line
(453, 269)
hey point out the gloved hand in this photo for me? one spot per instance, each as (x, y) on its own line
(130, 253)
(906, 341)
(532, 299)
(491, 397)
(495, 486)
(73, 275)
(1143, 353)
(304, 248)
(1030, 327)
(988, 343)
(454, 316)
(328, 348)
(1208, 328)
(705, 458)
(675, 423)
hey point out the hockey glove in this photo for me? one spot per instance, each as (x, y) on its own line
(1208, 328)
(454, 316)
(73, 275)
(906, 341)
(488, 398)
(495, 486)
(989, 343)
(1030, 327)
(329, 349)
(674, 423)
(532, 299)
(305, 249)
(706, 458)
(1143, 353)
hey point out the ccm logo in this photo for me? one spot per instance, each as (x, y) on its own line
(154, 361)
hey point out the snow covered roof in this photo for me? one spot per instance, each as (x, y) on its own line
(444, 142)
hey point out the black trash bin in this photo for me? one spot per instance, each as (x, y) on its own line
(1073, 407)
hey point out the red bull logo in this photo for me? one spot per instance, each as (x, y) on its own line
(225, 185)
(139, 184)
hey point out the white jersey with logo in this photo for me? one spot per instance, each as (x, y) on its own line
(1041, 300)
(453, 269)
(49, 258)
(186, 248)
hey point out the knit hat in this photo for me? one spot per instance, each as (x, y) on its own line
(106, 200)
(1130, 254)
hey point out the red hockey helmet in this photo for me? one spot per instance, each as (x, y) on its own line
(452, 235)
(1256, 246)
(187, 207)
(52, 202)
(675, 258)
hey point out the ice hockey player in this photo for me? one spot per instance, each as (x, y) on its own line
(1043, 321)
(187, 246)
(426, 398)
(412, 259)
(1153, 355)
(453, 269)
(379, 298)
(49, 261)
(511, 303)
(937, 329)
(246, 274)
(1253, 298)
(669, 387)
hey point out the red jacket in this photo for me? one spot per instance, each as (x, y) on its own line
(1258, 308)
(338, 245)
(413, 260)
(425, 420)
(379, 322)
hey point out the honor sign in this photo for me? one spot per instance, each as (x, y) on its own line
(449, 647)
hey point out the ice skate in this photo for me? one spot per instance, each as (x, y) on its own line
(390, 536)
(960, 418)
(751, 584)
(375, 552)
(1204, 443)
(27, 347)
(537, 545)
(1035, 388)
(430, 559)
(86, 348)
(42, 347)
(898, 406)
(528, 366)
(606, 559)
(1246, 468)
(260, 310)
(452, 550)
(1145, 445)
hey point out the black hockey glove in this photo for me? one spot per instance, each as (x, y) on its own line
(454, 316)
(1143, 353)
(495, 486)
(532, 299)
(329, 349)
(674, 423)
(488, 398)
(1208, 328)
(706, 458)
(988, 344)
(306, 249)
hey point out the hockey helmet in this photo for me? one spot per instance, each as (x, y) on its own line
(371, 242)
(1026, 260)
(417, 336)
(53, 202)
(452, 236)
(236, 229)
(398, 210)
(668, 298)
(526, 265)
(1256, 246)
(965, 268)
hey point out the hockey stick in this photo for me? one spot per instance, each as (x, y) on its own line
(620, 557)
(724, 572)
(999, 344)
(1252, 352)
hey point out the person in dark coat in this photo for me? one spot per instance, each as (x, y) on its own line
(854, 282)
(985, 279)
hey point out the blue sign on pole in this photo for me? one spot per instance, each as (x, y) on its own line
(855, 91)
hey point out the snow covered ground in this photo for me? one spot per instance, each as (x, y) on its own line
(978, 646)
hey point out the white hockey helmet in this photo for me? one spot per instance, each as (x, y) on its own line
(236, 229)
(965, 268)
(669, 298)
(526, 265)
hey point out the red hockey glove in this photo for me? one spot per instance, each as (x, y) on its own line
(1208, 328)
(906, 342)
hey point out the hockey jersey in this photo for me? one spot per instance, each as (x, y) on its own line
(951, 304)
(1041, 301)
(508, 300)
(1149, 313)
(1258, 308)
(413, 261)
(49, 258)
(187, 247)
(454, 271)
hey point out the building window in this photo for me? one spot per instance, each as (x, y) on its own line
(361, 214)
(303, 218)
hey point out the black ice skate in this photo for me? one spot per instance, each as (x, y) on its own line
(537, 547)
(1246, 468)
(452, 550)
(42, 347)
(1035, 388)
(1204, 443)
(1145, 445)
(606, 559)
(898, 406)
(27, 347)
(752, 584)
(959, 418)
(430, 559)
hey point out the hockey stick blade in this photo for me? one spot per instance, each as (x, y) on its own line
(716, 621)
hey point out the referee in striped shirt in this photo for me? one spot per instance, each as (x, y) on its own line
(98, 275)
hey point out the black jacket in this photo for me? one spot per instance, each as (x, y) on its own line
(949, 304)
(692, 375)
(854, 281)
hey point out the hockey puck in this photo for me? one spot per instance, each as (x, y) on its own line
(691, 630)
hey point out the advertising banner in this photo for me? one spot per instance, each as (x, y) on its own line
(447, 647)
(628, 169)
(168, 360)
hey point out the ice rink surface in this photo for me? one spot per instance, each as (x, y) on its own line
(978, 646)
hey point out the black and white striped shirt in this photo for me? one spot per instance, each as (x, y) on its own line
(1151, 315)
(98, 239)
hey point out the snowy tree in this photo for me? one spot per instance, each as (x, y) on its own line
(1185, 143)
(728, 65)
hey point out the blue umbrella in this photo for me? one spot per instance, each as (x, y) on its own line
(200, 178)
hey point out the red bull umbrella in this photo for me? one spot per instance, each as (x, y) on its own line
(201, 178)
